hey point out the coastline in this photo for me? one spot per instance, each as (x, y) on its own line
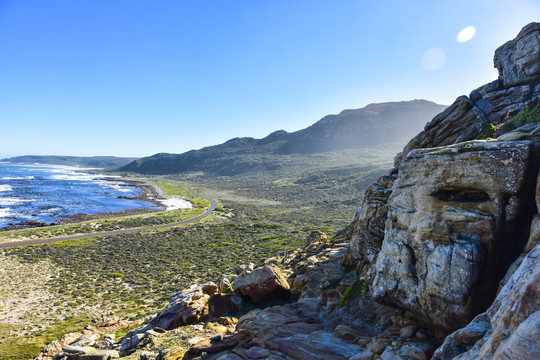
(150, 193)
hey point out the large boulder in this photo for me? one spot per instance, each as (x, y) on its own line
(457, 217)
(518, 61)
(262, 285)
(185, 307)
(510, 328)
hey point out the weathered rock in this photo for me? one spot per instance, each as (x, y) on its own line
(220, 304)
(518, 61)
(506, 99)
(461, 121)
(457, 219)
(510, 328)
(314, 240)
(211, 347)
(185, 307)
(88, 353)
(263, 284)
(367, 228)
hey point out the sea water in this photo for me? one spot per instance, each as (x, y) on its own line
(49, 193)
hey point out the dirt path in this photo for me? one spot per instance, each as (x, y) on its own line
(208, 212)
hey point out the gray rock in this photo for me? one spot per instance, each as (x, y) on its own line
(510, 328)
(185, 307)
(461, 121)
(367, 229)
(452, 231)
(518, 61)
(263, 284)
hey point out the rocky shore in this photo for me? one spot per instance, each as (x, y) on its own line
(441, 261)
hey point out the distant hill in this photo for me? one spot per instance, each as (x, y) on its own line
(82, 161)
(372, 126)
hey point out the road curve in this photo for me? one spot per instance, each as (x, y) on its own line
(208, 212)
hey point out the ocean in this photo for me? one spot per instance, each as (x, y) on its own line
(49, 193)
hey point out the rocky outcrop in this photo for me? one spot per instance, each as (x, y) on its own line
(366, 232)
(262, 285)
(455, 223)
(518, 61)
(510, 328)
(185, 307)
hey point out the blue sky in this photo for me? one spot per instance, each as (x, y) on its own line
(133, 78)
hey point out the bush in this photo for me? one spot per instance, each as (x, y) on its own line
(359, 288)
(488, 130)
(523, 117)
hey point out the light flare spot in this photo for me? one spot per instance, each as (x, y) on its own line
(433, 59)
(466, 34)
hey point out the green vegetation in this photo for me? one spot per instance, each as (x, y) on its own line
(359, 288)
(488, 130)
(523, 117)
(259, 218)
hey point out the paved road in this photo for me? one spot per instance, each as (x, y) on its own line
(210, 210)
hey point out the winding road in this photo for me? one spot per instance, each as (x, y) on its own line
(208, 212)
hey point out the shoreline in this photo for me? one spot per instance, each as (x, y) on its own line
(150, 193)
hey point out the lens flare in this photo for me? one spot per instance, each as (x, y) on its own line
(433, 59)
(466, 34)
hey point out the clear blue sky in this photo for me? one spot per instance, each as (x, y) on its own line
(133, 78)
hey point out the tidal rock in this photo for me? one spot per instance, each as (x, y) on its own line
(367, 228)
(185, 307)
(263, 285)
(510, 328)
(518, 61)
(457, 218)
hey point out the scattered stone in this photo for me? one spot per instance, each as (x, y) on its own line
(263, 285)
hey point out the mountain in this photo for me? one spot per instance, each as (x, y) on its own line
(82, 161)
(371, 126)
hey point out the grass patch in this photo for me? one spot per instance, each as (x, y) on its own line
(359, 288)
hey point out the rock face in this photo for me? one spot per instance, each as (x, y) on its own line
(185, 307)
(518, 61)
(262, 285)
(510, 328)
(367, 229)
(454, 222)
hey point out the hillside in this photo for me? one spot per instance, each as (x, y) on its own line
(376, 125)
(81, 161)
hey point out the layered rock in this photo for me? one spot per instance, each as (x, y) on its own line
(518, 61)
(185, 307)
(262, 285)
(455, 223)
(510, 328)
(366, 232)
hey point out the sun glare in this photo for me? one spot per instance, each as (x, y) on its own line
(466, 34)
(433, 59)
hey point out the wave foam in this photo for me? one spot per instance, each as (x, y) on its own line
(5, 188)
(13, 201)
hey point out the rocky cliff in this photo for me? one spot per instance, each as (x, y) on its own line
(441, 261)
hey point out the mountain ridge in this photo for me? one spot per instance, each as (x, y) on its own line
(370, 126)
